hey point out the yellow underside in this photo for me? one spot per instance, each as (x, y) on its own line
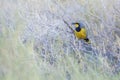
(82, 34)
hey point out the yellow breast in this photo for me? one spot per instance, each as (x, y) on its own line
(82, 34)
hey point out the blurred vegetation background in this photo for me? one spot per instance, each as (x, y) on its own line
(36, 44)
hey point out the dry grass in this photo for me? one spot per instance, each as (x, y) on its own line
(35, 43)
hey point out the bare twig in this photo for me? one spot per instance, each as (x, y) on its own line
(68, 25)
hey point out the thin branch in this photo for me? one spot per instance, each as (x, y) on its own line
(68, 25)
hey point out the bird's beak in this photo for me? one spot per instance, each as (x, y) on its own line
(73, 23)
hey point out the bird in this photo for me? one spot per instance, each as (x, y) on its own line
(80, 32)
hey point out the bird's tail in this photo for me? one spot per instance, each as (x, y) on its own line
(87, 41)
